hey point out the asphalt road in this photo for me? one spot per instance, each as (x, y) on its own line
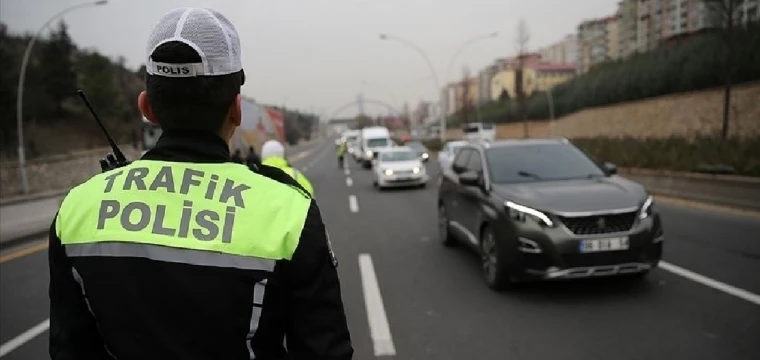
(429, 302)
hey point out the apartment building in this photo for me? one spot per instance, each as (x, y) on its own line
(537, 76)
(564, 51)
(598, 41)
(484, 77)
(645, 24)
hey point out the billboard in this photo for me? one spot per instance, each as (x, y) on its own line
(262, 123)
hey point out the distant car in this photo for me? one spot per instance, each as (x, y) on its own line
(353, 148)
(420, 148)
(543, 210)
(398, 166)
(447, 153)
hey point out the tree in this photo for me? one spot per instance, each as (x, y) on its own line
(504, 96)
(523, 36)
(465, 97)
(57, 66)
(723, 14)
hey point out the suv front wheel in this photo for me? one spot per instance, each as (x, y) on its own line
(495, 270)
(447, 239)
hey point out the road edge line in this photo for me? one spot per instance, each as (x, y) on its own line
(24, 337)
(710, 282)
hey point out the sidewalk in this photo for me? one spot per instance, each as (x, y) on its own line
(21, 221)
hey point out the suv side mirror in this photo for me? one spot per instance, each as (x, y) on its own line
(469, 178)
(610, 168)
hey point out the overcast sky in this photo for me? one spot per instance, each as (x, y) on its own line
(316, 53)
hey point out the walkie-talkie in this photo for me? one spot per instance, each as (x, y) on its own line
(112, 160)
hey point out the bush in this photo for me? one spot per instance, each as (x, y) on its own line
(434, 145)
(677, 153)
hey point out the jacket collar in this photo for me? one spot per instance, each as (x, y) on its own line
(189, 146)
(276, 161)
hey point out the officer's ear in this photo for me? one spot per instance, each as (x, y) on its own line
(236, 111)
(144, 105)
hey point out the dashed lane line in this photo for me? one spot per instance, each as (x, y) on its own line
(353, 204)
(349, 182)
(379, 329)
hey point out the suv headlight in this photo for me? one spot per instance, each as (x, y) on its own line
(520, 212)
(425, 155)
(388, 172)
(647, 208)
(416, 170)
(369, 153)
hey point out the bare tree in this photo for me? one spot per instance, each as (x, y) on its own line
(722, 14)
(523, 37)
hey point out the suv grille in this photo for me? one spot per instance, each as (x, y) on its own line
(600, 224)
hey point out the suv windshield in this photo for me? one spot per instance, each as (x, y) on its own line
(381, 142)
(539, 162)
(391, 156)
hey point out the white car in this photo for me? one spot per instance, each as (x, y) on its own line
(399, 166)
(448, 152)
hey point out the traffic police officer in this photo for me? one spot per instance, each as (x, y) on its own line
(184, 254)
(341, 150)
(273, 154)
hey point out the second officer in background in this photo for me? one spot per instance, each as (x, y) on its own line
(273, 154)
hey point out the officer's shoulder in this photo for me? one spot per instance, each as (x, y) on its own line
(279, 178)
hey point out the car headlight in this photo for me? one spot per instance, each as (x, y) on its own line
(369, 153)
(416, 170)
(646, 209)
(388, 172)
(521, 212)
(425, 155)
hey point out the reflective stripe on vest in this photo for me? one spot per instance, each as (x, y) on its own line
(203, 214)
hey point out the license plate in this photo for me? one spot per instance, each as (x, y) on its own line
(403, 178)
(609, 244)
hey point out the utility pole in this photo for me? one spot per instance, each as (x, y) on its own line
(523, 36)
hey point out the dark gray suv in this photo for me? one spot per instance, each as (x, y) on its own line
(542, 210)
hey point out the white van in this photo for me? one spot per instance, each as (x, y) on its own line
(479, 132)
(372, 140)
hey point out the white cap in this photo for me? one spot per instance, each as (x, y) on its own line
(208, 32)
(272, 148)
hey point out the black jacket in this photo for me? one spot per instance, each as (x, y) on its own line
(141, 309)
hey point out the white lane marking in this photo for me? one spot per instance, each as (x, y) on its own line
(379, 329)
(25, 337)
(353, 204)
(349, 182)
(715, 284)
(314, 160)
(347, 172)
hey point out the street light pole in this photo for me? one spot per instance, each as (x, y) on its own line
(20, 90)
(464, 46)
(438, 89)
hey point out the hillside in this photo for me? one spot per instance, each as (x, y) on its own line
(55, 120)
